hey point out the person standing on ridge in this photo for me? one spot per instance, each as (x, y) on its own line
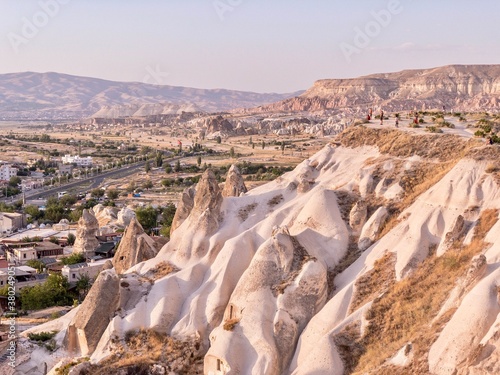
(381, 117)
(397, 120)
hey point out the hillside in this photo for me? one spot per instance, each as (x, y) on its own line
(378, 255)
(458, 87)
(52, 96)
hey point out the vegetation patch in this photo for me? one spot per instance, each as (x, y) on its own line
(403, 313)
(230, 324)
(146, 351)
(396, 143)
(65, 370)
(375, 281)
(274, 201)
(160, 270)
(244, 212)
(300, 258)
(42, 336)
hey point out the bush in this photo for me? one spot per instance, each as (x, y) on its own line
(53, 292)
(433, 129)
(42, 336)
(74, 258)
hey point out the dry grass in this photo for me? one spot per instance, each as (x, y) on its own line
(491, 168)
(244, 212)
(374, 282)
(162, 269)
(139, 351)
(275, 200)
(403, 314)
(349, 258)
(397, 143)
(484, 153)
(230, 324)
(415, 182)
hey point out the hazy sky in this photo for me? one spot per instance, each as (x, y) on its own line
(256, 45)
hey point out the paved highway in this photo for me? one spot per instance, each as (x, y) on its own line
(80, 185)
(85, 184)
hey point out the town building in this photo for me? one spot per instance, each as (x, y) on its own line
(31, 184)
(21, 252)
(81, 162)
(11, 222)
(7, 171)
(65, 169)
(73, 272)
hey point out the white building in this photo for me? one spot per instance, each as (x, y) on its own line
(7, 171)
(82, 162)
(32, 183)
(22, 255)
(74, 271)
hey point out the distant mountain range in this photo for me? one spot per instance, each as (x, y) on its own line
(54, 96)
(459, 87)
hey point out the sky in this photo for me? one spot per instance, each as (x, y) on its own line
(251, 45)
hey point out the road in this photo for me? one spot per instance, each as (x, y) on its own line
(86, 184)
(81, 185)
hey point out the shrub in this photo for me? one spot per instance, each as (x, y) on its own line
(230, 324)
(42, 336)
(433, 129)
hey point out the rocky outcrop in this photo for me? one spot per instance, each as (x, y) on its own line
(234, 184)
(93, 316)
(125, 216)
(86, 241)
(218, 124)
(135, 247)
(284, 280)
(208, 199)
(456, 86)
(372, 228)
(357, 217)
(104, 215)
(184, 208)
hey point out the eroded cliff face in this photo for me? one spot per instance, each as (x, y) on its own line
(135, 247)
(458, 87)
(331, 278)
(86, 241)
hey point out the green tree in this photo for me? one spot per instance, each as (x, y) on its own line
(198, 161)
(168, 168)
(34, 212)
(71, 239)
(218, 139)
(74, 258)
(68, 200)
(131, 186)
(14, 181)
(83, 285)
(76, 214)
(113, 194)
(36, 264)
(148, 184)
(54, 211)
(147, 167)
(263, 144)
(53, 292)
(147, 217)
(177, 167)
(97, 193)
(231, 152)
(159, 159)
